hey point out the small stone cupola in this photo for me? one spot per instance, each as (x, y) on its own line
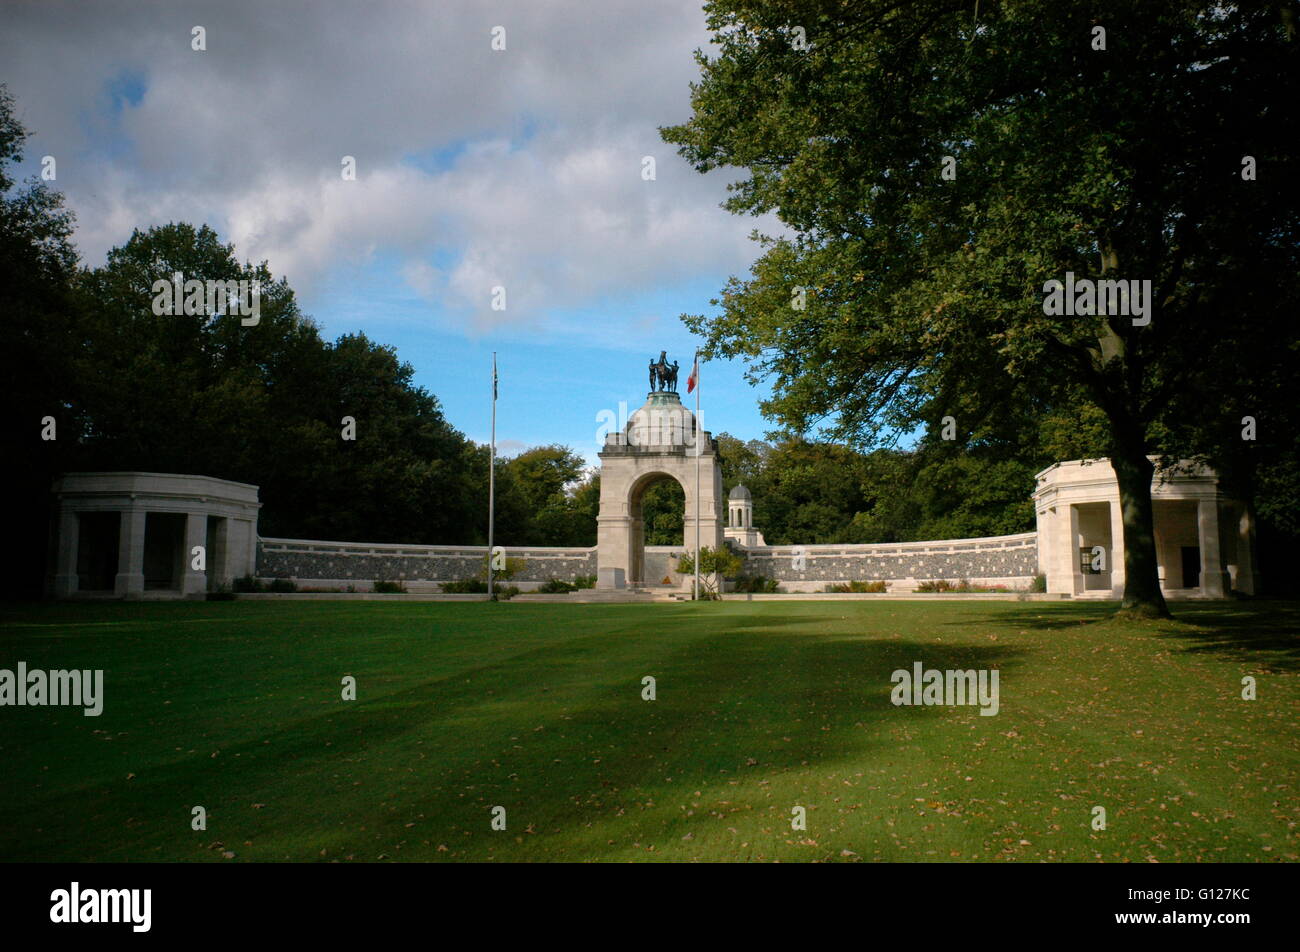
(741, 506)
(740, 518)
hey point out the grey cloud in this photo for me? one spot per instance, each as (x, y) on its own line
(545, 196)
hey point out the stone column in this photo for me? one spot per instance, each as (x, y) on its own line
(219, 556)
(130, 555)
(194, 583)
(612, 546)
(711, 529)
(1214, 580)
(1116, 554)
(1045, 524)
(65, 564)
(1076, 573)
(636, 552)
(250, 529)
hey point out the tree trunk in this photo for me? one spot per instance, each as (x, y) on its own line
(1142, 595)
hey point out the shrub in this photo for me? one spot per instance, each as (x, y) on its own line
(858, 587)
(963, 587)
(1039, 584)
(221, 595)
(389, 587)
(507, 593)
(556, 586)
(722, 561)
(511, 568)
(248, 583)
(756, 584)
(283, 585)
(465, 586)
(585, 581)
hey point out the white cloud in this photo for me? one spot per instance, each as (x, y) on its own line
(544, 196)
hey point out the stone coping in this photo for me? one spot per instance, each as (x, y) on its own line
(400, 548)
(1019, 540)
(144, 483)
(359, 596)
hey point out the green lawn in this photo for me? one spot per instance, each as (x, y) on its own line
(762, 706)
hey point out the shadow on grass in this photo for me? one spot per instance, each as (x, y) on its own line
(1261, 631)
(1264, 632)
(1045, 616)
(731, 705)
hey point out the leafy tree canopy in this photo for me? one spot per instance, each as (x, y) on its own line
(903, 295)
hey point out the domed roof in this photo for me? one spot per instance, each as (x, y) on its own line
(661, 421)
(739, 492)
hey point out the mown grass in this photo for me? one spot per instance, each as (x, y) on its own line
(761, 707)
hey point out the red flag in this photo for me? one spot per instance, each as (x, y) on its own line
(694, 378)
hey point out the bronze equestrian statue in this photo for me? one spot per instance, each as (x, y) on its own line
(663, 375)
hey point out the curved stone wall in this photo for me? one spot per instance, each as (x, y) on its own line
(997, 558)
(994, 557)
(362, 561)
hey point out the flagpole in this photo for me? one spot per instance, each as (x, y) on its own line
(492, 479)
(699, 433)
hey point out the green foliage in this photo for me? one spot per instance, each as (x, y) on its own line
(806, 492)
(545, 497)
(663, 509)
(388, 586)
(756, 584)
(721, 561)
(961, 587)
(924, 295)
(740, 461)
(856, 587)
(512, 567)
(282, 585)
(41, 370)
(478, 586)
(584, 581)
(248, 583)
(556, 586)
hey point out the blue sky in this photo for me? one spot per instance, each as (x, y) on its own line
(476, 168)
(554, 379)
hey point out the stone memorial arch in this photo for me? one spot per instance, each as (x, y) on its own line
(662, 440)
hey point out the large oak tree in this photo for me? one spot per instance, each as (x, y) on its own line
(925, 293)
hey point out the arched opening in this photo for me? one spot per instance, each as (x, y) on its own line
(657, 507)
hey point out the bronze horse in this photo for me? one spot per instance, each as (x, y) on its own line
(663, 375)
